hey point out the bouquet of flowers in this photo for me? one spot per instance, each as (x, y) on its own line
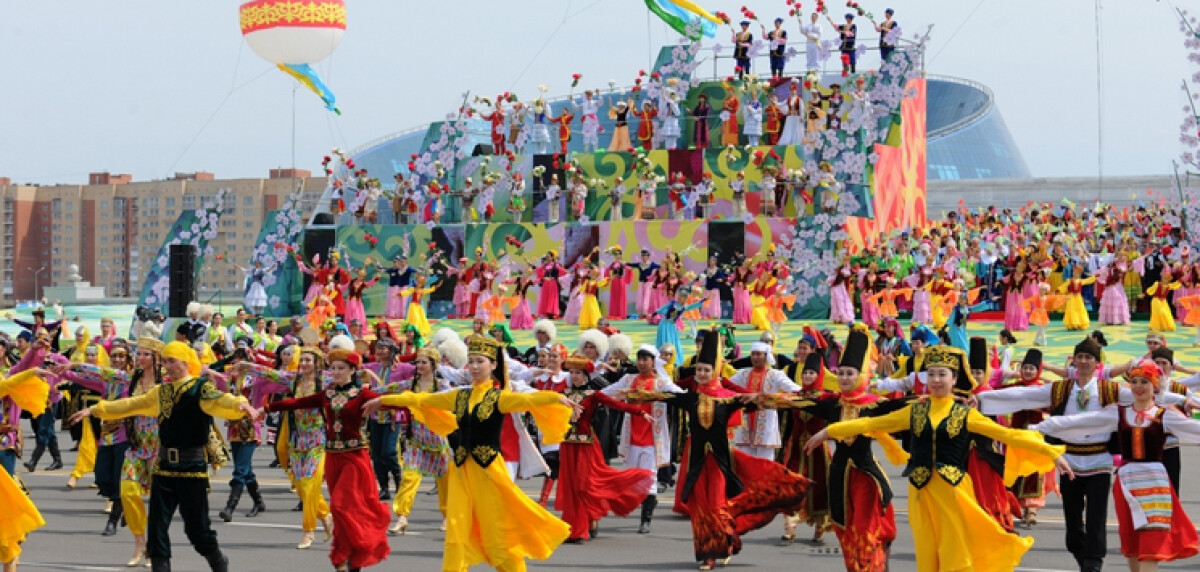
(517, 247)
(575, 79)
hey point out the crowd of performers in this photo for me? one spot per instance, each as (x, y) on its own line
(1030, 263)
(651, 115)
(599, 288)
(742, 436)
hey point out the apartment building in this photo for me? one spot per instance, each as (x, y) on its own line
(112, 228)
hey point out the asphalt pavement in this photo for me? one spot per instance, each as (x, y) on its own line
(71, 538)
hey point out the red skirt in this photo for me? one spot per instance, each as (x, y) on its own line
(870, 528)
(679, 507)
(360, 521)
(718, 522)
(548, 299)
(993, 497)
(1155, 545)
(589, 489)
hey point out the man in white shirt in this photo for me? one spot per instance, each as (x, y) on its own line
(1089, 457)
(758, 435)
(646, 445)
(239, 329)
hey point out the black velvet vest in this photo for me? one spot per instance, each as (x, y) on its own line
(478, 433)
(181, 422)
(942, 449)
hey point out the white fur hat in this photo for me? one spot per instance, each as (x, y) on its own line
(441, 337)
(546, 326)
(341, 342)
(620, 343)
(454, 351)
(193, 308)
(596, 338)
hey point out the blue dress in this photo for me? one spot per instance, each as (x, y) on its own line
(956, 328)
(668, 328)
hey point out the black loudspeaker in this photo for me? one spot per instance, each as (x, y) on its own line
(181, 279)
(324, 219)
(726, 241)
(317, 241)
(546, 162)
(482, 149)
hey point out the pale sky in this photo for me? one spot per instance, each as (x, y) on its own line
(152, 87)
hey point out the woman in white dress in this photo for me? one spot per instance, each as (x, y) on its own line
(670, 120)
(256, 295)
(539, 133)
(793, 126)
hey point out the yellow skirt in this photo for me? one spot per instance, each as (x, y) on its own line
(1075, 316)
(18, 518)
(589, 313)
(759, 318)
(1160, 315)
(489, 520)
(416, 318)
(952, 533)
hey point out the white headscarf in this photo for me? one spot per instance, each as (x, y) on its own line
(764, 348)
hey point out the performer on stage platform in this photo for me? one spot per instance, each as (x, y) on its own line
(646, 119)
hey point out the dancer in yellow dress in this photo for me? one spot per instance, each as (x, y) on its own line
(1075, 316)
(488, 518)
(589, 312)
(86, 352)
(19, 516)
(951, 532)
(1160, 308)
(416, 312)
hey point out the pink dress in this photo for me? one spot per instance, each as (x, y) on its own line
(354, 303)
(1114, 305)
(522, 318)
(866, 297)
(922, 312)
(741, 300)
(841, 307)
(1015, 318)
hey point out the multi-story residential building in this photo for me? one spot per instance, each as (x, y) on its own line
(113, 227)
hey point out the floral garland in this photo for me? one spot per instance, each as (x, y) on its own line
(1189, 130)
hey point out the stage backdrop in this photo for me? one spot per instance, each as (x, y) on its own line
(899, 175)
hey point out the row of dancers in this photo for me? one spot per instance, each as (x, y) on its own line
(793, 485)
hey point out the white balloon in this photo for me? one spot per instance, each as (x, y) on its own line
(294, 45)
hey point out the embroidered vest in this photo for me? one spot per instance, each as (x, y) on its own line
(478, 433)
(1140, 444)
(942, 449)
(181, 422)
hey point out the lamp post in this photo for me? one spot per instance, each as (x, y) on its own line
(36, 283)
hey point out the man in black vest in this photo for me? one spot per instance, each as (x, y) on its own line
(185, 407)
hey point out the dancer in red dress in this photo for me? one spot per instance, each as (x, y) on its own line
(619, 278)
(728, 493)
(588, 488)
(360, 521)
(548, 275)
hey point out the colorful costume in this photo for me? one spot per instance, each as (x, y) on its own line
(1075, 316)
(1160, 308)
(489, 519)
(588, 488)
(360, 521)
